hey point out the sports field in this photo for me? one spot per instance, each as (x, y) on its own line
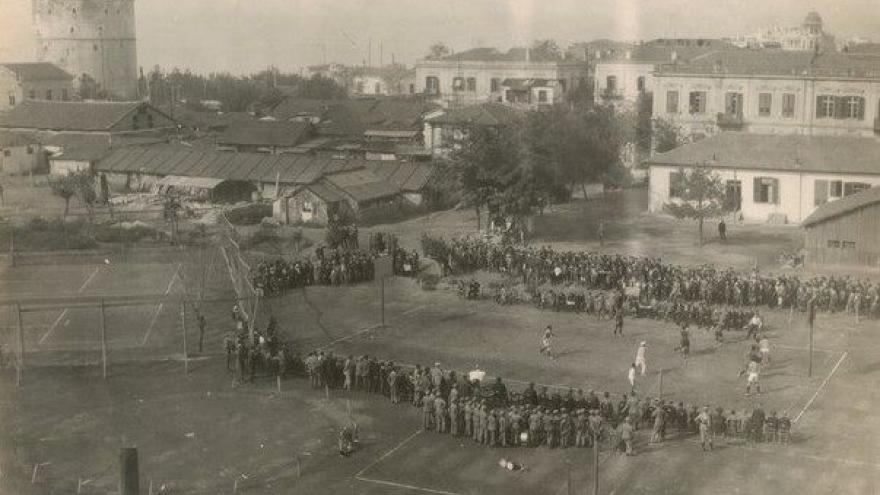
(197, 434)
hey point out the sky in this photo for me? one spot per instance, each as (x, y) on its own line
(244, 36)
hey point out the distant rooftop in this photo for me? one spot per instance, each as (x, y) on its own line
(778, 62)
(38, 71)
(486, 54)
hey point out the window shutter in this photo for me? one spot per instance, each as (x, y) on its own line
(775, 191)
(861, 111)
(756, 189)
(840, 107)
(820, 192)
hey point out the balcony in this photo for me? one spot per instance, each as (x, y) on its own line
(726, 121)
(610, 94)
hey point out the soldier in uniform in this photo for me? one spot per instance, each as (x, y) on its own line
(229, 346)
(492, 428)
(551, 428)
(535, 422)
(427, 411)
(440, 413)
(704, 421)
(565, 429)
(454, 410)
(503, 426)
(468, 419)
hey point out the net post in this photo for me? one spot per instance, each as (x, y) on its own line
(20, 362)
(183, 331)
(103, 341)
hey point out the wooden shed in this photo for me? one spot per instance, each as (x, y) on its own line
(845, 232)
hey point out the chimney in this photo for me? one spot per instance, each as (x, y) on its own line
(718, 67)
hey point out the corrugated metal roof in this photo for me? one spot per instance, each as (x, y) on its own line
(190, 162)
(362, 185)
(324, 192)
(843, 205)
(265, 133)
(68, 115)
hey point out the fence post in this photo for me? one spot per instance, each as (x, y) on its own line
(183, 329)
(20, 330)
(11, 244)
(103, 341)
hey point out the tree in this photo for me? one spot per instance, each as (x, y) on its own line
(65, 188)
(666, 136)
(546, 49)
(437, 51)
(484, 165)
(700, 195)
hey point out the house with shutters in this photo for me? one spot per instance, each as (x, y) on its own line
(771, 177)
(770, 92)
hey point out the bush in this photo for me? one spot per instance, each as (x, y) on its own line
(40, 224)
(117, 233)
(249, 214)
(391, 213)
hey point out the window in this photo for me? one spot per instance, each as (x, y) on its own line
(64, 95)
(853, 107)
(765, 104)
(32, 94)
(788, 105)
(835, 189)
(458, 84)
(495, 84)
(377, 88)
(848, 245)
(432, 85)
(611, 84)
(360, 87)
(11, 100)
(542, 96)
(508, 96)
(851, 188)
(472, 84)
(48, 94)
(640, 84)
(824, 107)
(733, 104)
(697, 102)
(30, 150)
(833, 244)
(7, 152)
(766, 190)
(307, 207)
(675, 179)
(672, 102)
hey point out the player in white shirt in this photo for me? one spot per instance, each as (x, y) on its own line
(641, 361)
(546, 344)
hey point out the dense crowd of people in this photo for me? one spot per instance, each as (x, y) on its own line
(339, 266)
(463, 405)
(654, 281)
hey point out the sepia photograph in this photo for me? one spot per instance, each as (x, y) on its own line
(460, 247)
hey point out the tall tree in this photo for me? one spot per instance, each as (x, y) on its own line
(437, 51)
(700, 196)
(546, 49)
(484, 165)
(666, 135)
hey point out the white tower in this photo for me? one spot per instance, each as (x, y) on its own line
(92, 38)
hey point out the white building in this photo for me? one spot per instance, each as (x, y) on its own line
(477, 76)
(809, 36)
(627, 74)
(779, 178)
(770, 91)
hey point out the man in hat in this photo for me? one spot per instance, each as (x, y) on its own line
(627, 435)
(641, 360)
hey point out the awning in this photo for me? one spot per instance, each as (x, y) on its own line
(190, 182)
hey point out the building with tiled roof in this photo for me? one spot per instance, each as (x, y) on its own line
(445, 130)
(264, 136)
(475, 76)
(626, 74)
(772, 177)
(770, 91)
(84, 117)
(33, 81)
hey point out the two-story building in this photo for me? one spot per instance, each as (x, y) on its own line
(33, 81)
(478, 75)
(626, 74)
(770, 92)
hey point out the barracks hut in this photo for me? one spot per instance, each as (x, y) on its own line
(845, 232)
